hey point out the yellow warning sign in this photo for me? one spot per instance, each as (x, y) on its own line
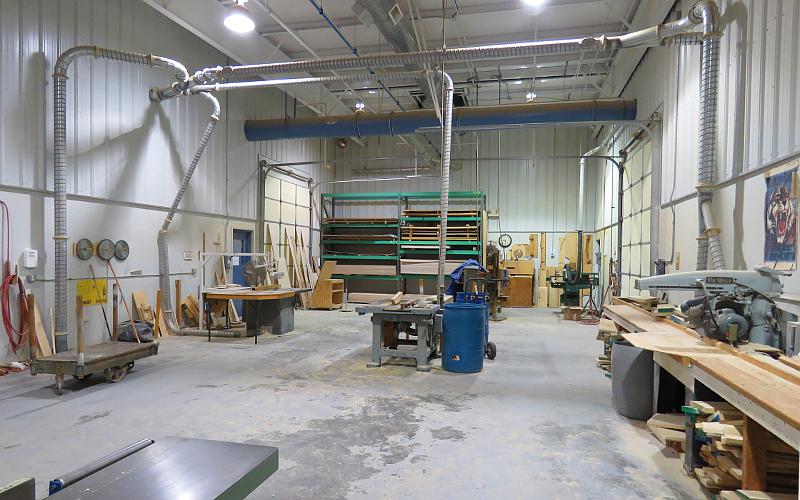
(91, 295)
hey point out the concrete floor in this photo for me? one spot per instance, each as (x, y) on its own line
(537, 423)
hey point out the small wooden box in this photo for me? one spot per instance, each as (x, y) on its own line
(328, 294)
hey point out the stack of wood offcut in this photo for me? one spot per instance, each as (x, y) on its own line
(653, 305)
(608, 334)
(669, 429)
(722, 425)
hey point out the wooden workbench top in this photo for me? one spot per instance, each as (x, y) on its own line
(773, 384)
(246, 294)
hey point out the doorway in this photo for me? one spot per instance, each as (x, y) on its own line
(242, 243)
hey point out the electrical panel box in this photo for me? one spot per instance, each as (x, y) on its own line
(30, 258)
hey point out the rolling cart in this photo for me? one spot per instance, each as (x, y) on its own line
(112, 358)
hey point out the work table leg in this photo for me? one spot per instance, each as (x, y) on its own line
(754, 455)
(377, 334)
(423, 334)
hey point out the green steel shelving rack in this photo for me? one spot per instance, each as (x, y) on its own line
(384, 250)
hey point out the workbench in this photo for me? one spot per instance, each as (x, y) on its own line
(765, 390)
(180, 468)
(428, 323)
(273, 309)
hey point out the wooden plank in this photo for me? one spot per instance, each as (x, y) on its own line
(142, 306)
(779, 396)
(424, 266)
(157, 321)
(763, 495)
(366, 269)
(283, 281)
(41, 336)
(668, 421)
(754, 455)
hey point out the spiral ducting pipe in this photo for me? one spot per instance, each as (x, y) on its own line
(709, 245)
(447, 128)
(60, 162)
(163, 240)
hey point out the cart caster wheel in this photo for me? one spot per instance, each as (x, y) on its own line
(491, 350)
(116, 374)
(59, 384)
(81, 378)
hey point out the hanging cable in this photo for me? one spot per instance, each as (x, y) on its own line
(16, 337)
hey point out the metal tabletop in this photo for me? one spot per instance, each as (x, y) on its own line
(181, 468)
(380, 308)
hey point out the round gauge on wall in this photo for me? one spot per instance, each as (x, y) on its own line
(84, 249)
(121, 250)
(504, 240)
(105, 249)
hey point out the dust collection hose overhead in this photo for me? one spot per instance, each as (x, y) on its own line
(60, 161)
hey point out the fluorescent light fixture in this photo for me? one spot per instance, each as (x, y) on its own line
(518, 82)
(359, 106)
(239, 19)
(534, 3)
(373, 91)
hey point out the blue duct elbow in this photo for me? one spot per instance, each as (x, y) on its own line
(362, 124)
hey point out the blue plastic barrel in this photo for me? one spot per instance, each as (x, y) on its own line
(463, 338)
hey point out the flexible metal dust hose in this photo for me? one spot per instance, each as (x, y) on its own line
(447, 127)
(60, 162)
(163, 240)
(709, 245)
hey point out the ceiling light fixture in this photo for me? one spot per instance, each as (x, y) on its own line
(359, 106)
(534, 3)
(530, 96)
(373, 91)
(239, 19)
(518, 82)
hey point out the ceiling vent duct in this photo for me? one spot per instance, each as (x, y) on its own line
(409, 122)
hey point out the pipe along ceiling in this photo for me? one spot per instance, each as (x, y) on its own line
(361, 124)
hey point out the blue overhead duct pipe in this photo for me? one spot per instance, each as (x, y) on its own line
(362, 124)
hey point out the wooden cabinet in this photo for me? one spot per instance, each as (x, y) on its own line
(520, 291)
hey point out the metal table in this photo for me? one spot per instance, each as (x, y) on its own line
(428, 325)
(180, 468)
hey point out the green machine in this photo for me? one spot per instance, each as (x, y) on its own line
(573, 281)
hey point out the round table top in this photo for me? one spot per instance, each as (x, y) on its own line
(238, 294)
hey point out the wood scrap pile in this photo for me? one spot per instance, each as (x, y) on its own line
(669, 429)
(145, 312)
(190, 308)
(721, 424)
(608, 334)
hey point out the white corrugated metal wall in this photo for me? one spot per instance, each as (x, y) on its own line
(758, 119)
(126, 155)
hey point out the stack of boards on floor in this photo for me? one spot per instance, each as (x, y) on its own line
(721, 424)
